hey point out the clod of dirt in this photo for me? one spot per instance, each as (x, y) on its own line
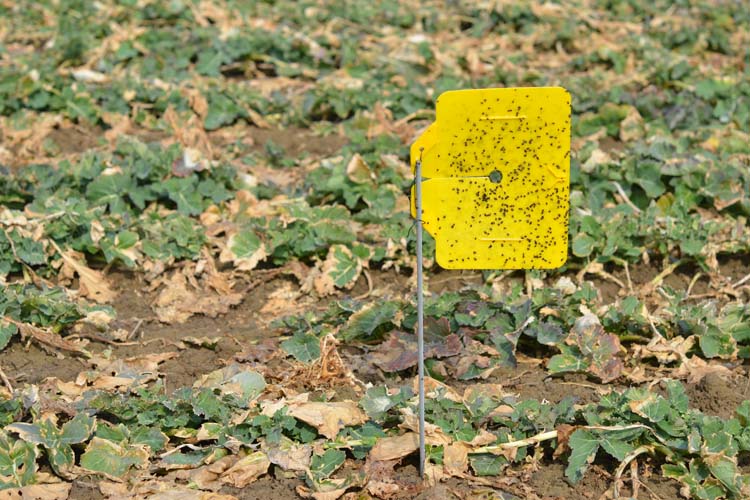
(715, 396)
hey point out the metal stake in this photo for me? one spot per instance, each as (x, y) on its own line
(420, 314)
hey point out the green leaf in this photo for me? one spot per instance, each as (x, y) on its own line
(487, 464)
(207, 404)
(725, 470)
(184, 193)
(221, 111)
(546, 333)
(616, 448)
(126, 239)
(189, 460)
(175, 236)
(249, 383)
(214, 190)
(303, 346)
(582, 245)
(376, 402)
(118, 433)
(322, 466)
(7, 330)
(505, 343)
(583, 447)
(57, 442)
(717, 344)
(368, 321)
(152, 437)
(246, 249)
(17, 462)
(677, 396)
(648, 176)
(743, 413)
(29, 251)
(38, 433)
(209, 62)
(109, 190)
(122, 247)
(61, 458)
(211, 430)
(78, 429)
(111, 459)
(567, 362)
(234, 379)
(342, 266)
(652, 406)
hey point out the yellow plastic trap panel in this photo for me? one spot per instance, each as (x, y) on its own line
(496, 178)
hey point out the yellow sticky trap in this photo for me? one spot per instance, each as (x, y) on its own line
(496, 176)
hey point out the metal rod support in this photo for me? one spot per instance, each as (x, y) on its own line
(420, 314)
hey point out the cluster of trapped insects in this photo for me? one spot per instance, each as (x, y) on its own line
(495, 178)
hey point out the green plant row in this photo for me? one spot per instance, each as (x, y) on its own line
(489, 332)
(116, 434)
(132, 74)
(50, 308)
(143, 202)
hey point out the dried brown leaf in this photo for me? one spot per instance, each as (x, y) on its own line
(328, 418)
(198, 103)
(323, 279)
(207, 477)
(603, 350)
(178, 301)
(190, 134)
(47, 338)
(119, 125)
(157, 489)
(695, 369)
(483, 438)
(384, 483)
(289, 455)
(632, 127)
(456, 459)
(92, 284)
(431, 387)
(434, 435)
(123, 373)
(358, 171)
(563, 436)
(246, 470)
(53, 491)
(393, 448)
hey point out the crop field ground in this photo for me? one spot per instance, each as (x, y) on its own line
(207, 260)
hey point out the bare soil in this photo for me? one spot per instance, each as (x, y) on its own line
(716, 396)
(75, 139)
(295, 141)
(549, 481)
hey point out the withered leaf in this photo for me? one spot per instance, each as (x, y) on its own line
(456, 459)
(328, 418)
(246, 470)
(395, 447)
(399, 352)
(92, 284)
